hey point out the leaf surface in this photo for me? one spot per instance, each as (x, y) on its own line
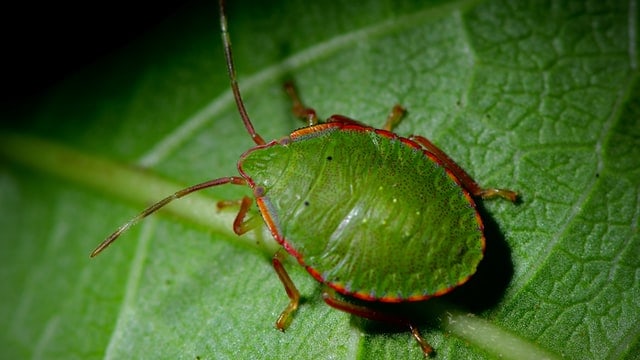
(537, 97)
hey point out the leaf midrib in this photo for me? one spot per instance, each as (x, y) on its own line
(192, 124)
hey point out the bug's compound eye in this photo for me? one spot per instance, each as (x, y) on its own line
(259, 191)
(285, 140)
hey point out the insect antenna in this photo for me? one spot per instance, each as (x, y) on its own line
(226, 41)
(160, 204)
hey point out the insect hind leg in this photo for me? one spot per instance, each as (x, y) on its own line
(329, 296)
(467, 181)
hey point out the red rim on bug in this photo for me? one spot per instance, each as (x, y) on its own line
(368, 213)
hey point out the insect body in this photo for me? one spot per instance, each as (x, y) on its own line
(349, 201)
(369, 214)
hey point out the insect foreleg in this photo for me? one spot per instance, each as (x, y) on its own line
(241, 224)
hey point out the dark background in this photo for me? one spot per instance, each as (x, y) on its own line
(44, 42)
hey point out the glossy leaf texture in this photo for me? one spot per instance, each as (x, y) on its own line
(540, 97)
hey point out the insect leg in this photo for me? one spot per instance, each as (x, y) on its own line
(466, 179)
(298, 108)
(241, 224)
(394, 117)
(329, 296)
(309, 114)
(294, 295)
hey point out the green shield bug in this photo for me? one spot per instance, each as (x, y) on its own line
(369, 214)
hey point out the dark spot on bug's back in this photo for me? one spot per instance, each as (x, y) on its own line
(461, 252)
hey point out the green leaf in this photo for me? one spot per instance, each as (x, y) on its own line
(538, 97)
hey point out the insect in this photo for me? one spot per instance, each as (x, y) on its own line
(369, 214)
